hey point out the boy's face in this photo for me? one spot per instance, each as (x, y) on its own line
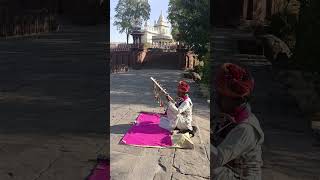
(180, 94)
(227, 104)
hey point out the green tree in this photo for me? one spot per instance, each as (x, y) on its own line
(130, 13)
(191, 24)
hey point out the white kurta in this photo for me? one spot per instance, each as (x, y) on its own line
(178, 117)
(244, 141)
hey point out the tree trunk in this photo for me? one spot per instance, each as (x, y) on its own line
(127, 38)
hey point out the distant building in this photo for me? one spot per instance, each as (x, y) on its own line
(159, 33)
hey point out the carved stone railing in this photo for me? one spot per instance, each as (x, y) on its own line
(126, 47)
(169, 46)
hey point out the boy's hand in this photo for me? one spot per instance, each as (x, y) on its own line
(169, 98)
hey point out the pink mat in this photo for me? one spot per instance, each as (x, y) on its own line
(146, 132)
(101, 171)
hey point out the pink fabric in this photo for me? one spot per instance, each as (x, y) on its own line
(241, 114)
(146, 132)
(101, 171)
(185, 97)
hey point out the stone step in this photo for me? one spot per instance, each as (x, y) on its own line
(224, 46)
(222, 42)
(220, 55)
(247, 59)
(250, 56)
(219, 36)
(222, 31)
(256, 63)
(247, 62)
(252, 61)
(222, 49)
(246, 36)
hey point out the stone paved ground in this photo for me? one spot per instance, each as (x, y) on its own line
(131, 93)
(289, 152)
(52, 104)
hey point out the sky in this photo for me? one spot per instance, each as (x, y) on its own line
(156, 7)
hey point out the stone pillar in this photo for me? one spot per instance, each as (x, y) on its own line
(235, 12)
(259, 10)
(187, 61)
(182, 55)
(263, 9)
(245, 9)
(255, 9)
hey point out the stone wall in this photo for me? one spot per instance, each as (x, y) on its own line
(143, 58)
(22, 17)
(30, 22)
(121, 60)
(165, 60)
(170, 60)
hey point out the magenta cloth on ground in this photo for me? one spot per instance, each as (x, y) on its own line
(146, 132)
(101, 171)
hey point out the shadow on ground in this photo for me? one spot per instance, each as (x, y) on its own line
(120, 128)
(54, 83)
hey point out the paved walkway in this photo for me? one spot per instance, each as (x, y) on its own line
(52, 104)
(289, 151)
(131, 93)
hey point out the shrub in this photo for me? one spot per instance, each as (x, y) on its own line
(206, 69)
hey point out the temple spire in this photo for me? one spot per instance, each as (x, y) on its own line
(160, 20)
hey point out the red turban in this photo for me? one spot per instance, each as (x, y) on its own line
(183, 87)
(233, 81)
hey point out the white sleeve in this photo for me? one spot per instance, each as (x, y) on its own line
(214, 153)
(240, 140)
(183, 107)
